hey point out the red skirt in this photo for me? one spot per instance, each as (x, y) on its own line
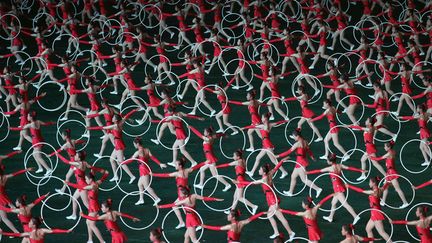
(376, 215)
(118, 237)
(143, 170)
(307, 113)
(192, 220)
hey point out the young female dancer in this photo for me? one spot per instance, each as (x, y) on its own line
(302, 150)
(188, 202)
(333, 134)
(377, 217)
(348, 231)
(267, 145)
(156, 235)
(142, 156)
(391, 174)
(92, 187)
(252, 105)
(110, 218)
(272, 199)
(23, 211)
(36, 233)
(335, 172)
(368, 136)
(310, 217)
(117, 155)
(240, 171)
(36, 137)
(181, 176)
(108, 113)
(4, 199)
(235, 227)
(422, 117)
(422, 224)
(208, 139)
(307, 113)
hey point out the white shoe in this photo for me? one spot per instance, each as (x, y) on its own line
(249, 173)
(227, 188)
(404, 205)
(156, 202)
(250, 87)
(180, 97)
(213, 112)
(271, 118)
(155, 141)
(250, 149)
(48, 172)
(356, 219)
(198, 186)
(39, 71)
(113, 92)
(198, 228)
(179, 226)
(345, 158)
(287, 193)
(395, 98)
(426, 163)
(63, 118)
(318, 140)
(172, 164)
(114, 179)
(192, 113)
(73, 217)
(318, 192)
(291, 236)
(345, 110)
(220, 131)
(17, 148)
(207, 71)
(234, 133)
(396, 114)
(139, 202)
(39, 171)
(273, 236)
(226, 74)
(362, 177)
(330, 48)
(312, 67)
(382, 203)
(97, 156)
(324, 157)
(292, 137)
(283, 175)
(139, 121)
(328, 218)
(59, 191)
(369, 85)
(394, 138)
(132, 179)
(254, 209)
(86, 134)
(227, 212)
(351, 47)
(235, 87)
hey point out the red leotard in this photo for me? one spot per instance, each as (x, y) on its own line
(374, 203)
(208, 152)
(265, 136)
(314, 232)
(424, 131)
(425, 234)
(117, 235)
(306, 111)
(118, 140)
(179, 130)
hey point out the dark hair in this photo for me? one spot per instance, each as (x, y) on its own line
(332, 157)
(266, 168)
(82, 155)
(348, 228)
(308, 202)
(423, 210)
(235, 213)
(157, 233)
(239, 153)
(182, 161)
(184, 190)
(22, 199)
(67, 132)
(138, 140)
(108, 203)
(37, 221)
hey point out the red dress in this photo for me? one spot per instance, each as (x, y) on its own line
(4, 199)
(306, 111)
(143, 165)
(192, 218)
(93, 201)
(36, 136)
(265, 136)
(424, 131)
(337, 183)
(179, 130)
(208, 152)
(368, 138)
(153, 100)
(270, 196)
(118, 140)
(224, 105)
(314, 232)
(425, 234)
(25, 220)
(301, 157)
(117, 235)
(374, 203)
(332, 123)
(253, 111)
(240, 173)
(353, 99)
(391, 172)
(181, 182)
(233, 236)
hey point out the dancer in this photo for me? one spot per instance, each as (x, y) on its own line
(310, 217)
(377, 217)
(110, 218)
(422, 224)
(302, 150)
(348, 231)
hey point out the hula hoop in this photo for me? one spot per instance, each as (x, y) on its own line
(351, 151)
(238, 70)
(304, 185)
(202, 191)
(314, 98)
(422, 63)
(247, 207)
(225, 131)
(400, 94)
(402, 163)
(140, 228)
(281, 101)
(339, 104)
(119, 166)
(80, 123)
(119, 177)
(394, 118)
(143, 16)
(163, 120)
(19, 26)
(341, 203)
(61, 194)
(349, 129)
(62, 181)
(286, 131)
(178, 92)
(403, 177)
(171, 211)
(139, 125)
(406, 218)
(4, 118)
(372, 209)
